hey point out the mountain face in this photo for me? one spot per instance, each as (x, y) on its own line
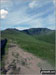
(36, 31)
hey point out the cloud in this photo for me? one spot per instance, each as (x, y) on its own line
(32, 4)
(38, 3)
(22, 28)
(3, 13)
(4, 1)
(54, 1)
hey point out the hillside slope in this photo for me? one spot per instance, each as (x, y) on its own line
(36, 31)
(29, 43)
(48, 37)
(42, 34)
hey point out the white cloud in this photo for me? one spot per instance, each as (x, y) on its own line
(32, 4)
(3, 13)
(22, 28)
(4, 1)
(38, 3)
(54, 1)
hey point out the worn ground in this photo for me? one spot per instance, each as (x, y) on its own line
(19, 62)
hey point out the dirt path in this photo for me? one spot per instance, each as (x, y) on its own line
(19, 62)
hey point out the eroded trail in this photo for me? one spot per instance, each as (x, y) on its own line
(19, 62)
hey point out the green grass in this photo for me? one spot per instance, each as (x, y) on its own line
(40, 48)
(48, 37)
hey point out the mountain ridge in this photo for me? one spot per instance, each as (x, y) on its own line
(43, 34)
(31, 31)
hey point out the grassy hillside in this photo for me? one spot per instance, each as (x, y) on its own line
(36, 31)
(29, 43)
(42, 34)
(49, 37)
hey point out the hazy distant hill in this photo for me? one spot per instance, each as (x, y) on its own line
(36, 31)
(40, 42)
(42, 34)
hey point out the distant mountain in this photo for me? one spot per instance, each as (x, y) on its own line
(36, 31)
(31, 31)
(42, 34)
(10, 30)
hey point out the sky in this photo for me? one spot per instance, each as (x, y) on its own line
(24, 14)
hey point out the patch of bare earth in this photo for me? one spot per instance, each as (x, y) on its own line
(19, 62)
